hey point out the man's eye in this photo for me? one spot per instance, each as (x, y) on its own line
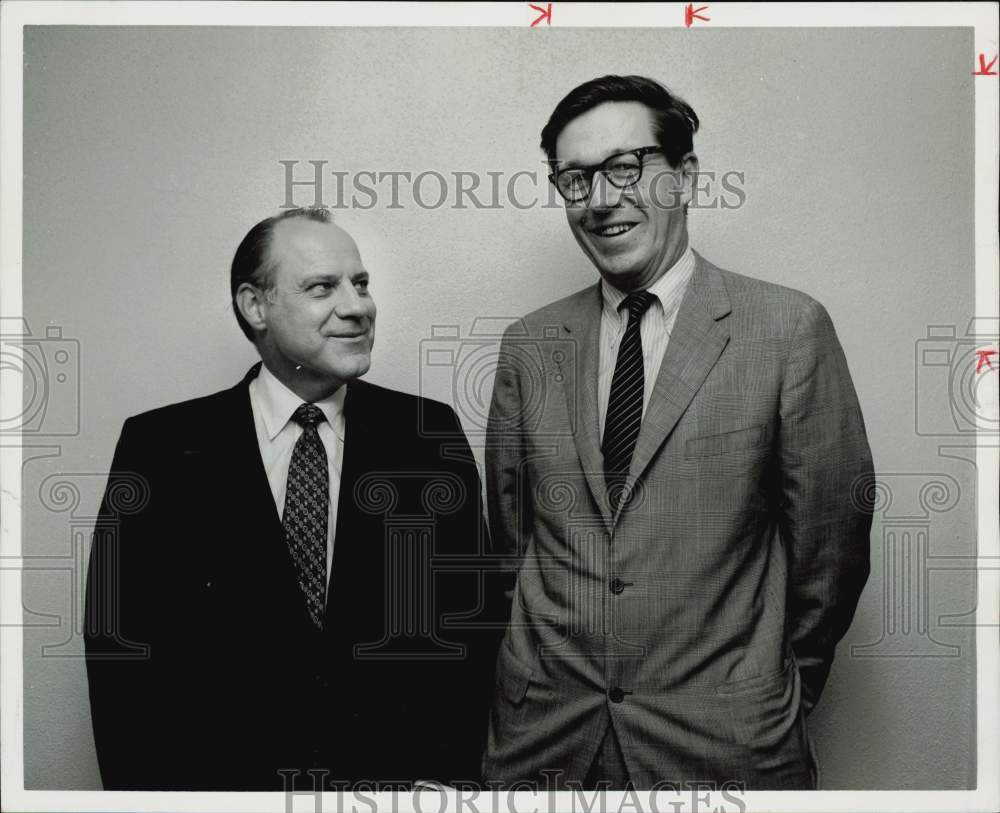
(622, 169)
(361, 284)
(320, 288)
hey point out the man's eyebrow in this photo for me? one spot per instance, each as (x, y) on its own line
(329, 276)
(576, 164)
(319, 278)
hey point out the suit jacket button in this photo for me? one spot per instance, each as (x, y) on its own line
(616, 695)
(617, 586)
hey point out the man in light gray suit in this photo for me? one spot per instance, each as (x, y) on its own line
(677, 466)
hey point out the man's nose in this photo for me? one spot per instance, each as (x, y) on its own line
(351, 305)
(603, 193)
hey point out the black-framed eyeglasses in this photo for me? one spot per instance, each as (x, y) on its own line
(622, 170)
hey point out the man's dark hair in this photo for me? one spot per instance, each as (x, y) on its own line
(252, 262)
(675, 122)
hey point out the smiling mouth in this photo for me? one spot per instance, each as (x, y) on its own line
(613, 229)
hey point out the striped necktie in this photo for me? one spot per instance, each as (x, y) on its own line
(621, 426)
(306, 515)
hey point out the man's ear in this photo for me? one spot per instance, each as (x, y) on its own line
(689, 177)
(252, 304)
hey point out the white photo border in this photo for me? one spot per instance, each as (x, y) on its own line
(981, 16)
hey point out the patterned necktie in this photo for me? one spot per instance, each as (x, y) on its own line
(306, 514)
(621, 426)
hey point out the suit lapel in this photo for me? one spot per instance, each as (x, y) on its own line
(583, 325)
(357, 603)
(240, 455)
(362, 454)
(696, 342)
(356, 415)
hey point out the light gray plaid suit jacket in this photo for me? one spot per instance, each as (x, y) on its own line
(700, 619)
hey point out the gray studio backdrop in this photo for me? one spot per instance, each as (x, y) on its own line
(148, 152)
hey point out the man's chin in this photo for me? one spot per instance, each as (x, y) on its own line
(623, 278)
(338, 370)
(353, 369)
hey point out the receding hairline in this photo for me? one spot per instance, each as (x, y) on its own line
(283, 233)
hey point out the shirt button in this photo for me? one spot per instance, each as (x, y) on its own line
(617, 586)
(616, 695)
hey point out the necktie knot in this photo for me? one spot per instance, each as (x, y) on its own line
(308, 415)
(638, 303)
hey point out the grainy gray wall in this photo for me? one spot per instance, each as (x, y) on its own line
(148, 152)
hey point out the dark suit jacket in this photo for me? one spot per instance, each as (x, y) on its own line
(700, 619)
(205, 671)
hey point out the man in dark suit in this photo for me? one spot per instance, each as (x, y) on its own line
(286, 575)
(678, 501)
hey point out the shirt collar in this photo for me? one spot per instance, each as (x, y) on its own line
(667, 289)
(278, 404)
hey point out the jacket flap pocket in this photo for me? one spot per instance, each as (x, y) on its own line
(728, 441)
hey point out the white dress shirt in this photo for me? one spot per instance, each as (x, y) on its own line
(654, 328)
(273, 405)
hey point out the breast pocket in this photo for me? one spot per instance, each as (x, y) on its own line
(726, 442)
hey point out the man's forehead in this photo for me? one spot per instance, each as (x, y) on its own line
(307, 243)
(604, 130)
